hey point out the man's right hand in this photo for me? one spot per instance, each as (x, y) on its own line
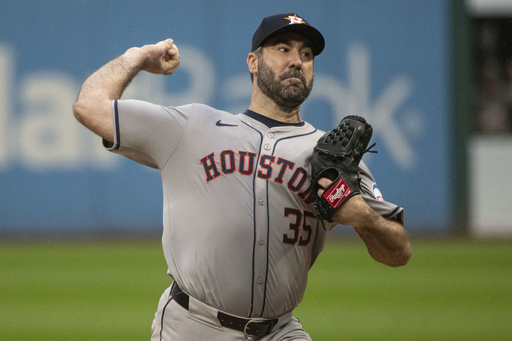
(161, 58)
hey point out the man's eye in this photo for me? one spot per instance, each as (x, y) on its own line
(307, 55)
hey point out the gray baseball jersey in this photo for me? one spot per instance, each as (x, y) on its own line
(238, 229)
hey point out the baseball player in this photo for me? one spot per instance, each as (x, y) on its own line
(239, 229)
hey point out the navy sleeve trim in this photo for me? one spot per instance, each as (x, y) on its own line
(394, 216)
(116, 123)
(365, 189)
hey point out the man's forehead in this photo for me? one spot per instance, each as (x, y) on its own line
(288, 37)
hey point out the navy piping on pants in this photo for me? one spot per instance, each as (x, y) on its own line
(162, 319)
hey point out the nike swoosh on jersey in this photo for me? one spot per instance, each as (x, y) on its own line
(220, 124)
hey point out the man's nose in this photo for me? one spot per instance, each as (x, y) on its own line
(295, 60)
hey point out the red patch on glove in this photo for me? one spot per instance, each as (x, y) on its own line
(337, 193)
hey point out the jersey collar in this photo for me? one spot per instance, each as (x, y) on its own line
(269, 122)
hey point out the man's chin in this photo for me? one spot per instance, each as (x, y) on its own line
(293, 101)
(294, 93)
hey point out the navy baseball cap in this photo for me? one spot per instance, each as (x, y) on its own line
(287, 22)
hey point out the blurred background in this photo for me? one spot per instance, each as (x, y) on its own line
(433, 77)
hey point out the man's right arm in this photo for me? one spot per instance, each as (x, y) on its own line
(93, 107)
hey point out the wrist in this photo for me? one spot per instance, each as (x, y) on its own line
(133, 59)
(356, 212)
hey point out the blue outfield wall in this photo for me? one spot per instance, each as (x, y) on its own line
(385, 60)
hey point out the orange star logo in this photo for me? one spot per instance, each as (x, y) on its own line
(295, 19)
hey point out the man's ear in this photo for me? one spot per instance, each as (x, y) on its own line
(252, 63)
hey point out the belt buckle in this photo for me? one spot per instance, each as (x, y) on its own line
(255, 321)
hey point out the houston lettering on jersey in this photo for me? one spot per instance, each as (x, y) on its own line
(269, 166)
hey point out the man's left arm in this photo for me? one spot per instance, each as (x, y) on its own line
(336, 174)
(387, 240)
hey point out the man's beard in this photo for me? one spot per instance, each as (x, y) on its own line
(288, 97)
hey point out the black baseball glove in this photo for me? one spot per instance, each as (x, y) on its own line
(336, 157)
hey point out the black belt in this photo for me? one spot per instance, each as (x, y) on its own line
(256, 328)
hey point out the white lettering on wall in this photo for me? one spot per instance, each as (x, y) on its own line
(45, 136)
(6, 81)
(382, 111)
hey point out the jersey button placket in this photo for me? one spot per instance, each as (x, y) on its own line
(261, 256)
(268, 145)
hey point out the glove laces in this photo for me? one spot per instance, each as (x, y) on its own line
(369, 149)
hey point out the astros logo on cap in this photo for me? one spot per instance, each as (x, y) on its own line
(295, 19)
